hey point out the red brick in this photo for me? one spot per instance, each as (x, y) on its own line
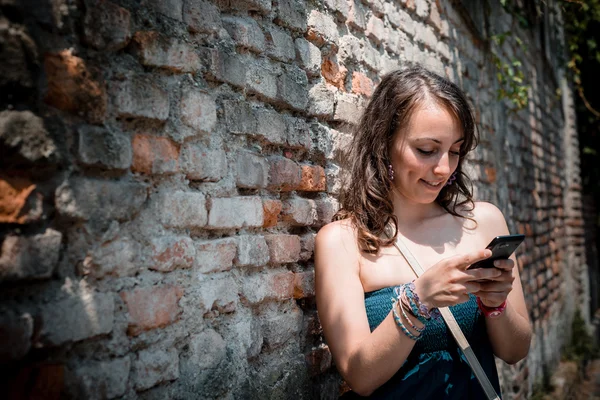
(313, 179)
(490, 172)
(168, 253)
(272, 285)
(271, 211)
(334, 73)
(72, 88)
(284, 174)
(304, 284)
(283, 248)
(154, 155)
(19, 204)
(156, 50)
(151, 307)
(319, 360)
(361, 84)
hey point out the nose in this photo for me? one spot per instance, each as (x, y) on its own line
(443, 167)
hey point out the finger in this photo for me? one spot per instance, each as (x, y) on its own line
(463, 261)
(472, 287)
(507, 264)
(484, 273)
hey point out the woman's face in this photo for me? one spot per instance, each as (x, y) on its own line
(426, 153)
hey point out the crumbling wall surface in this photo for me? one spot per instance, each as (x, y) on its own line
(166, 164)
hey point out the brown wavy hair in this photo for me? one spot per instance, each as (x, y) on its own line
(365, 197)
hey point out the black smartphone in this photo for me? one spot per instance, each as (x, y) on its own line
(502, 247)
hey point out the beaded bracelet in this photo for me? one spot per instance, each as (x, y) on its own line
(419, 310)
(400, 324)
(416, 328)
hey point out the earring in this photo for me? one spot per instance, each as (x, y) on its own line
(452, 179)
(390, 172)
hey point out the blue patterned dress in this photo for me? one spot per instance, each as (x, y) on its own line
(436, 367)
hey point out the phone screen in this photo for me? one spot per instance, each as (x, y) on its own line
(502, 247)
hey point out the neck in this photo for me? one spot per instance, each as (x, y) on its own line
(411, 214)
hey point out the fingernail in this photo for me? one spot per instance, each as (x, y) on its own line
(496, 263)
(488, 252)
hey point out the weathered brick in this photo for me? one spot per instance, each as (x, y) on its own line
(319, 360)
(217, 292)
(304, 284)
(340, 143)
(395, 42)
(326, 209)
(313, 179)
(271, 126)
(119, 257)
(140, 98)
(270, 285)
(104, 148)
(182, 209)
(25, 140)
(215, 255)
(102, 379)
(201, 163)
(361, 84)
(283, 248)
(422, 7)
(154, 366)
(284, 174)
(350, 50)
(198, 110)
(405, 22)
(291, 88)
(322, 29)
(321, 101)
(156, 50)
(77, 317)
(425, 34)
(309, 56)
(280, 44)
(356, 15)
(370, 56)
(298, 133)
(271, 211)
(72, 88)
(262, 6)
(392, 15)
(40, 380)
(261, 80)
(201, 16)
(30, 257)
(16, 332)
(299, 211)
(245, 32)
(280, 327)
(252, 251)
(307, 246)
(239, 117)
(334, 179)
(291, 14)
(375, 29)
(207, 349)
(334, 73)
(170, 8)
(236, 212)
(170, 252)
(107, 26)
(434, 18)
(346, 109)
(252, 170)
(151, 307)
(225, 67)
(154, 155)
(340, 8)
(20, 203)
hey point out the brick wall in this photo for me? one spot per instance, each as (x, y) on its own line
(166, 165)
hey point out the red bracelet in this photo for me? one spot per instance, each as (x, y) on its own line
(491, 312)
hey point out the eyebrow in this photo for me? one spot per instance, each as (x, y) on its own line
(438, 141)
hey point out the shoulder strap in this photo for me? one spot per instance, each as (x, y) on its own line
(453, 326)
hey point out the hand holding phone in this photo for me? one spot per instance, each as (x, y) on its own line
(502, 247)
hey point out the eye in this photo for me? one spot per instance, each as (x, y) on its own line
(425, 152)
(455, 153)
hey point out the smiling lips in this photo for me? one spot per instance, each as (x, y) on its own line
(433, 184)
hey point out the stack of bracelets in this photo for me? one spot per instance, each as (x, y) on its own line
(408, 302)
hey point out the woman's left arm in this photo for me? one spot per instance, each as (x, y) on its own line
(510, 332)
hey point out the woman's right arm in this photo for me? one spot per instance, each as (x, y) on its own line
(365, 360)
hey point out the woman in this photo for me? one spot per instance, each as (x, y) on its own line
(405, 172)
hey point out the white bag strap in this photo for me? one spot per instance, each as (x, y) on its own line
(454, 328)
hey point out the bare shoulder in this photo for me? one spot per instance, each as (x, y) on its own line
(336, 241)
(489, 218)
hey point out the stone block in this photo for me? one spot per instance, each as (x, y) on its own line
(298, 133)
(356, 15)
(261, 80)
(201, 16)
(156, 50)
(151, 307)
(217, 292)
(284, 174)
(346, 109)
(215, 255)
(280, 44)
(304, 284)
(280, 327)
(154, 366)
(23, 135)
(299, 211)
(97, 380)
(245, 32)
(271, 126)
(203, 164)
(309, 56)
(16, 332)
(169, 8)
(307, 246)
(106, 26)
(261, 6)
(154, 155)
(207, 349)
(30, 257)
(283, 248)
(292, 89)
(252, 170)
(350, 50)
(422, 8)
(119, 257)
(340, 8)
(253, 251)
(139, 98)
(236, 212)
(239, 117)
(198, 110)
(226, 67)
(321, 101)
(375, 29)
(322, 29)
(291, 14)
(274, 285)
(170, 252)
(80, 316)
(104, 148)
(182, 209)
